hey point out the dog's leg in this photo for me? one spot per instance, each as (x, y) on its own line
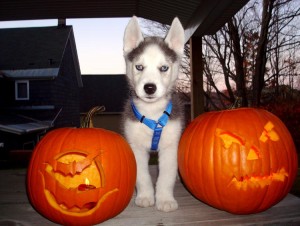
(144, 186)
(166, 180)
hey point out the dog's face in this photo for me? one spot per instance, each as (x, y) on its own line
(152, 64)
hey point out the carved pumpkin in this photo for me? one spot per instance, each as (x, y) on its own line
(241, 161)
(81, 176)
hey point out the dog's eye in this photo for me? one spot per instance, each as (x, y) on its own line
(139, 67)
(164, 68)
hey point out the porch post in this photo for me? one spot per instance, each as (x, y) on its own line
(197, 92)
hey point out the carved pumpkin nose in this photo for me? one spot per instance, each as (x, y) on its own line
(150, 88)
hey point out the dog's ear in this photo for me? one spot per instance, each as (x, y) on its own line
(133, 35)
(175, 36)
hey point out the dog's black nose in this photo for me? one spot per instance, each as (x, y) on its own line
(150, 88)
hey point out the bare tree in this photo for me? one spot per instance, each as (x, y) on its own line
(261, 55)
(257, 41)
(284, 45)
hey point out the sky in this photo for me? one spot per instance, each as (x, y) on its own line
(99, 42)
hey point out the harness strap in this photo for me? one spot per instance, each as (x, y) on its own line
(152, 124)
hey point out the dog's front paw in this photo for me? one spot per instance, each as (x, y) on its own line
(167, 205)
(144, 201)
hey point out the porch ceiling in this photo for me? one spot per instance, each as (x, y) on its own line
(197, 16)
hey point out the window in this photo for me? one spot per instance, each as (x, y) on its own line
(22, 90)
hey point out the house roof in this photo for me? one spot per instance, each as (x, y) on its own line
(35, 52)
(44, 73)
(197, 16)
(19, 124)
(32, 48)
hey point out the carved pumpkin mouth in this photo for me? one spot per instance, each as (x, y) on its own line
(244, 182)
(63, 176)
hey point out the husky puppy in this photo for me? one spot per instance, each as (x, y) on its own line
(152, 67)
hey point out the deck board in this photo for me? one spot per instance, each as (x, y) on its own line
(14, 207)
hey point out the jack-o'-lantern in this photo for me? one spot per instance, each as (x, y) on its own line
(81, 176)
(241, 161)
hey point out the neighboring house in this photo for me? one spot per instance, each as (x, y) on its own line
(110, 91)
(39, 82)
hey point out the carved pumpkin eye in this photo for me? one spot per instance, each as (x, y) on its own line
(269, 133)
(228, 138)
(240, 153)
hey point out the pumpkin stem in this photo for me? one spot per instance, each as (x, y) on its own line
(87, 121)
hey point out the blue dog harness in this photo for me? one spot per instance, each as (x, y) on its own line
(155, 126)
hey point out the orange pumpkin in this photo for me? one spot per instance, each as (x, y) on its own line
(81, 176)
(242, 161)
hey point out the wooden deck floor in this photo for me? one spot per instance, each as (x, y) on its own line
(16, 210)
